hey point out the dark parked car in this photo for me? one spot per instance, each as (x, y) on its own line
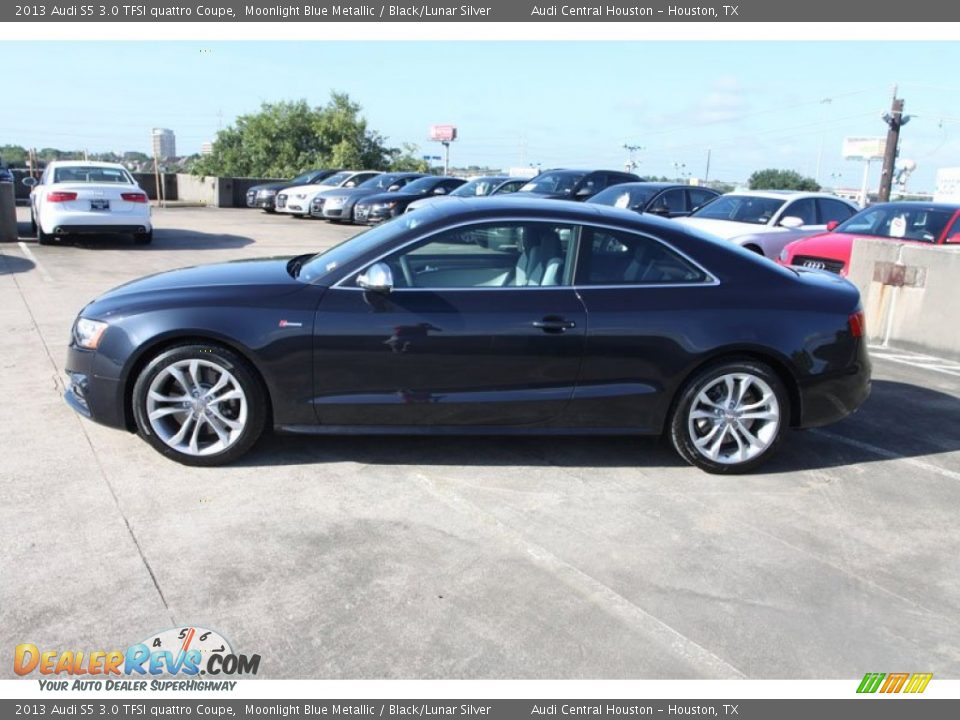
(6, 175)
(487, 316)
(264, 196)
(581, 185)
(657, 198)
(377, 208)
(338, 205)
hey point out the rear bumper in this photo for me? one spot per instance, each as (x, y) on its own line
(94, 222)
(100, 229)
(833, 396)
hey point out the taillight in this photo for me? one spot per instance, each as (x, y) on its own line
(857, 324)
(61, 196)
(134, 197)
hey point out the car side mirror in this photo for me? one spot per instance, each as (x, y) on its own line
(791, 221)
(394, 188)
(440, 191)
(583, 193)
(350, 184)
(29, 181)
(659, 211)
(832, 225)
(377, 278)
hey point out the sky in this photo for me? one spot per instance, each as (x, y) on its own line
(751, 105)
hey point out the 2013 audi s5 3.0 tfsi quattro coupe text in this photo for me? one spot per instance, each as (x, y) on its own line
(482, 316)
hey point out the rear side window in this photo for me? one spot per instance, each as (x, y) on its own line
(614, 257)
(699, 197)
(833, 211)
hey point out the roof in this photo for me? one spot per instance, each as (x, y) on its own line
(499, 206)
(781, 194)
(84, 163)
(919, 203)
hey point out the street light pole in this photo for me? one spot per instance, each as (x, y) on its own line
(895, 120)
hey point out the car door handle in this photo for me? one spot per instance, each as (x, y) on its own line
(554, 324)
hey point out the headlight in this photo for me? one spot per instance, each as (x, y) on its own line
(384, 205)
(87, 333)
(300, 196)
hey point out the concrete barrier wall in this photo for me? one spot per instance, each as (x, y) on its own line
(911, 294)
(200, 190)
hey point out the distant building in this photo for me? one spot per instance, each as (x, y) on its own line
(206, 148)
(164, 143)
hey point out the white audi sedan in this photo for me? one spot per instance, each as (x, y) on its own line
(296, 200)
(90, 198)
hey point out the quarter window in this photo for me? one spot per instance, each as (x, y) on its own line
(612, 257)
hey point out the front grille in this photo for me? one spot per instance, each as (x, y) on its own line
(281, 200)
(251, 197)
(815, 263)
(362, 212)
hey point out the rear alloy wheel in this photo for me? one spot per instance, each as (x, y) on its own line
(730, 417)
(199, 405)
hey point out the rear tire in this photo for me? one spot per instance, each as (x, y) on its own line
(33, 224)
(199, 404)
(44, 238)
(143, 238)
(730, 417)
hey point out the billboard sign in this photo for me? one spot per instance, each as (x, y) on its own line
(948, 185)
(443, 133)
(863, 148)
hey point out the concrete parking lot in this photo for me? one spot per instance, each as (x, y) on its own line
(466, 558)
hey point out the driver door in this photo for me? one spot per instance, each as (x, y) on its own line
(479, 327)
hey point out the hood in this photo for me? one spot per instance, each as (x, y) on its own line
(834, 246)
(259, 276)
(393, 197)
(725, 229)
(427, 201)
(278, 186)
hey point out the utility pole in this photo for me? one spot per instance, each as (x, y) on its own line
(706, 175)
(895, 120)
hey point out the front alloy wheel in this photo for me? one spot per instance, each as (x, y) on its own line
(730, 417)
(199, 405)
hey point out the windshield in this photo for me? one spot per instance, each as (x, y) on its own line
(325, 263)
(478, 188)
(337, 179)
(623, 197)
(898, 221)
(381, 182)
(741, 208)
(91, 174)
(305, 179)
(553, 183)
(421, 186)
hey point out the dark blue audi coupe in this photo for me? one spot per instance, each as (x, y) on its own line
(480, 316)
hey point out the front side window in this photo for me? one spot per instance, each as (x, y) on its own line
(833, 211)
(670, 201)
(488, 255)
(553, 183)
(615, 257)
(699, 197)
(804, 209)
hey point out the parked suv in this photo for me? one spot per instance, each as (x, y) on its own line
(563, 184)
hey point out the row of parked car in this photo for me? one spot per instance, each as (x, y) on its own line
(809, 229)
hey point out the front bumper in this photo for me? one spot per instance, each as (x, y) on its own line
(264, 202)
(367, 215)
(90, 389)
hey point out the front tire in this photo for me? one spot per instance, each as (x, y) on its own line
(200, 405)
(730, 417)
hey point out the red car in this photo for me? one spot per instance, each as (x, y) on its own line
(914, 222)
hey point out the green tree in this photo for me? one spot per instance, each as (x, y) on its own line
(13, 155)
(406, 159)
(286, 138)
(773, 179)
